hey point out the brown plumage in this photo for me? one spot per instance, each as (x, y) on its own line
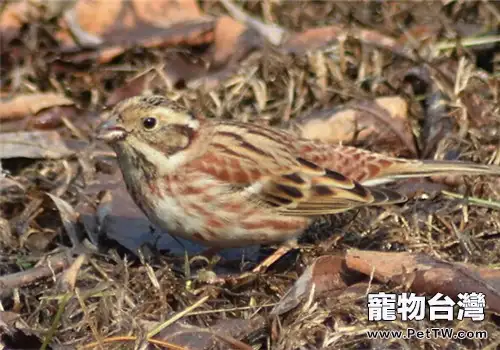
(233, 184)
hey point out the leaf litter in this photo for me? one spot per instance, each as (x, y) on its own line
(408, 79)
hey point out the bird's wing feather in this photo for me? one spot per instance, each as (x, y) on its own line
(267, 160)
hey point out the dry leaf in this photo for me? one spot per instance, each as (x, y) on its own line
(325, 274)
(418, 273)
(424, 274)
(120, 22)
(272, 32)
(23, 105)
(232, 42)
(108, 18)
(382, 122)
(124, 221)
(183, 34)
(164, 13)
(121, 25)
(11, 20)
(312, 39)
(69, 219)
(481, 114)
(224, 333)
(317, 38)
(131, 88)
(16, 13)
(228, 33)
(33, 144)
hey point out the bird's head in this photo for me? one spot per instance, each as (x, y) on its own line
(154, 120)
(152, 128)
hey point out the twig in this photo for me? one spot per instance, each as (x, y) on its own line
(177, 316)
(53, 265)
(468, 42)
(486, 203)
(272, 32)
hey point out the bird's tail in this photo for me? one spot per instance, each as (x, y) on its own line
(422, 168)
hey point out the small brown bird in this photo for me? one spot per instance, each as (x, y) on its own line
(232, 184)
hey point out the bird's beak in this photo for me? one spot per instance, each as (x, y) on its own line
(110, 131)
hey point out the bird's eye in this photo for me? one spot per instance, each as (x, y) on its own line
(149, 123)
